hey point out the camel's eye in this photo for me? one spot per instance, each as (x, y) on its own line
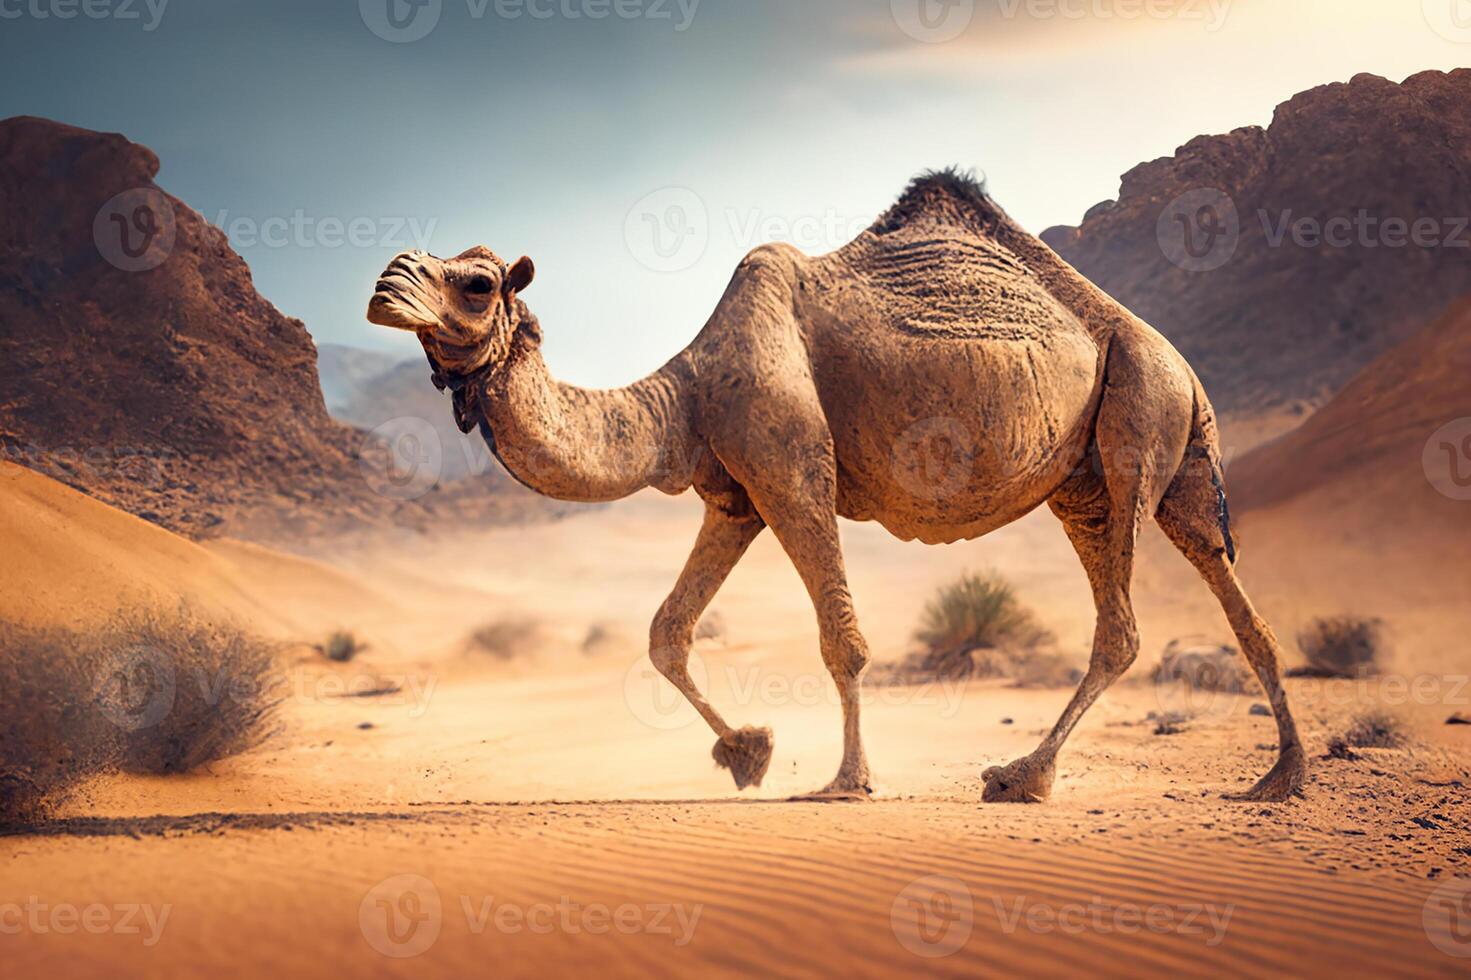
(479, 286)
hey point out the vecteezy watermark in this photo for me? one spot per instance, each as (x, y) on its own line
(96, 919)
(404, 916)
(1199, 230)
(668, 230)
(148, 13)
(1212, 13)
(404, 21)
(135, 230)
(1447, 459)
(933, 21)
(144, 466)
(1451, 19)
(1447, 917)
(655, 701)
(402, 459)
(135, 688)
(1203, 919)
(933, 916)
(934, 458)
(302, 230)
(1364, 230)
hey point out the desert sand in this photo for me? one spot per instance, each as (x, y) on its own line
(559, 809)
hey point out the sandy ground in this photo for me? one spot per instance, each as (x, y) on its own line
(560, 811)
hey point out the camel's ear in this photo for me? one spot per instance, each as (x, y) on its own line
(520, 275)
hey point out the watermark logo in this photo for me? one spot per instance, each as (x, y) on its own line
(1447, 459)
(64, 919)
(933, 21)
(135, 689)
(1187, 919)
(934, 458)
(1447, 917)
(401, 917)
(402, 459)
(401, 21)
(933, 916)
(91, 9)
(1451, 19)
(668, 230)
(134, 231)
(1199, 230)
(655, 701)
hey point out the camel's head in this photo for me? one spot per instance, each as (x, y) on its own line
(463, 309)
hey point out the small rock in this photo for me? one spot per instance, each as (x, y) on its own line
(1008, 721)
(366, 725)
(1458, 719)
(1260, 710)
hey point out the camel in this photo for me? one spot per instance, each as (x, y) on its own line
(944, 374)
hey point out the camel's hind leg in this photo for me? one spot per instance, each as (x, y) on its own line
(1139, 439)
(723, 539)
(1193, 515)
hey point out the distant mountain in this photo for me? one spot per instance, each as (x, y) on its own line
(1282, 261)
(345, 371)
(138, 363)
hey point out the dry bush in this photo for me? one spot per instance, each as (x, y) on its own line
(341, 646)
(605, 638)
(1342, 646)
(193, 690)
(1376, 730)
(509, 638)
(1206, 667)
(712, 627)
(976, 627)
(51, 734)
(148, 692)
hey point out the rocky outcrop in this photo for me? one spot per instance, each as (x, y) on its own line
(139, 364)
(1281, 261)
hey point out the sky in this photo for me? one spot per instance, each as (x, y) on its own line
(636, 149)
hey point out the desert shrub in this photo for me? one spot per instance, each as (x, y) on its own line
(976, 627)
(1205, 667)
(51, 735)
(193, 690)
(1376, 730)
(605, 638)
(711, 627)
(508, 638)
(147, 692)
(976, 614)
(1343, 646)
(341, 646)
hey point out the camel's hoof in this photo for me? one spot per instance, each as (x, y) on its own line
(1281, 784)
(840, 791)
(746, 752)
(1024, 781)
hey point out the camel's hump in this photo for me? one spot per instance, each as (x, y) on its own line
(943, 281)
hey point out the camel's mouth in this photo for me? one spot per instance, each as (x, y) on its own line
(398, 297)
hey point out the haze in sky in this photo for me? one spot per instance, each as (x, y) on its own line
(637, 148)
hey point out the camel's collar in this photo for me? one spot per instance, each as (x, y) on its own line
(465, 390)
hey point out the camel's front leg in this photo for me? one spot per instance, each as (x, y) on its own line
(746, 752)
(802, 515)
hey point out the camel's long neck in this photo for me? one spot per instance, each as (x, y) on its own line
(589, 445)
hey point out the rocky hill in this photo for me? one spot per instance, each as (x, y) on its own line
(1281, 261)
(139, 364)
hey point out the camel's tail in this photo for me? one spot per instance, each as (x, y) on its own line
(1205, 443)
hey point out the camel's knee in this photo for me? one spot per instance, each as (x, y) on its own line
(846, 655)
(670, 638)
